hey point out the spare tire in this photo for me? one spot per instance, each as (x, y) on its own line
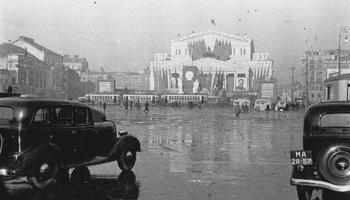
(334, 164)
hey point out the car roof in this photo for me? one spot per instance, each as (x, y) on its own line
(28, 101)
(314, 112)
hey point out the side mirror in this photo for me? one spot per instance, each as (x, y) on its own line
(121, 133)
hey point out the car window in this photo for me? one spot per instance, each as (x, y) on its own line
(42, 117)
(81, 116)
(63, 115)
(335, 120)
(6, 114)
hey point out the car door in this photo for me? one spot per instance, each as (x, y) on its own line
(85, 133)
(63, 132)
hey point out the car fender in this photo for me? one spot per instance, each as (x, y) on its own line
(122, 142)
(25, 159)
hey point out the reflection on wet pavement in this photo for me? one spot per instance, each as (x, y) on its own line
(206, 139)
(212, 146)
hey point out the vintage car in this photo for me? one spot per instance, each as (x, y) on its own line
(322, 168)
(281, 105)
(39, 138)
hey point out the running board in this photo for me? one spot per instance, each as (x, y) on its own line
(95, 161)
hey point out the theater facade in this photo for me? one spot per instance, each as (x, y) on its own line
(210, 62)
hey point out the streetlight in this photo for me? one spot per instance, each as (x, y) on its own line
(343, 29)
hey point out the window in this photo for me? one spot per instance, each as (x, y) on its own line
(186, 52)
(319, 80)
(81, 116)
(6, 113)
(240, 51)
(179, 51)
(243, 51)
(312, 95)
(42, 117)
(64, 116)
(335, 120)
(318, 95)
(233, 51)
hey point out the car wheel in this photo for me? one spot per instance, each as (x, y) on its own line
(127, 158)
(334, 164)
(309, 193)
(44, 171)
(80, 175)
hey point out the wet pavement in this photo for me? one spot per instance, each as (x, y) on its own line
(194, 153)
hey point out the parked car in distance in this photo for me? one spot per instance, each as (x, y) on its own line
(241, 102)
(322, 168)
(281, 105)
(260, 104)
(40, 138)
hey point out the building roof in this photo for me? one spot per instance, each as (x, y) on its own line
(339, 77)
(6, 49)
(36, 45)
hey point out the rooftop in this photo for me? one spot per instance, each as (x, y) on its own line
(36, 45)
(6, 49)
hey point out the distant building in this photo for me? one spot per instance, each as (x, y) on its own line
(221, 63)
(131, 80)
(75, 63)
(42, 53)
(322, 65)
(51, 58)
(123, 80)
(23, 71)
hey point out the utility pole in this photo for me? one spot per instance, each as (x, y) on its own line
(292, 94)
(307, 81)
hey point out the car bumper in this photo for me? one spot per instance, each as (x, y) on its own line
(320, 184)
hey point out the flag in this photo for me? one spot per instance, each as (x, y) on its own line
(215, 78)
(212, 22)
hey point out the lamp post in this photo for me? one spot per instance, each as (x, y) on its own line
(343, 29)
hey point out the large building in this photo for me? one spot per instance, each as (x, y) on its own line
(23, 71)
(51, 58)
(322, 65)
(76, 63)
(213, 60)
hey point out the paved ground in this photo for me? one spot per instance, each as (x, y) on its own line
(194, 154)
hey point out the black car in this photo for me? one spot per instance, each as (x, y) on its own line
(39, 138)
(322, 168)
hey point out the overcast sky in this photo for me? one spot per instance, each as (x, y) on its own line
(123, 35)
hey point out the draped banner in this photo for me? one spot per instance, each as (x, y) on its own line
(191, 80)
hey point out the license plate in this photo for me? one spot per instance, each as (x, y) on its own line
(301, 157)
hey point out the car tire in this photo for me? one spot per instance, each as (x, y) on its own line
(80, 175)
(127, 158)
(309, 193)
(333, 164)
(44, 171)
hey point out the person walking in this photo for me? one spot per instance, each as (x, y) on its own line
(146, 107)
(237, 109)
(267, 109)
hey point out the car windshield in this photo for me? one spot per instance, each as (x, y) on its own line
(335, 120)
(6, 115)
